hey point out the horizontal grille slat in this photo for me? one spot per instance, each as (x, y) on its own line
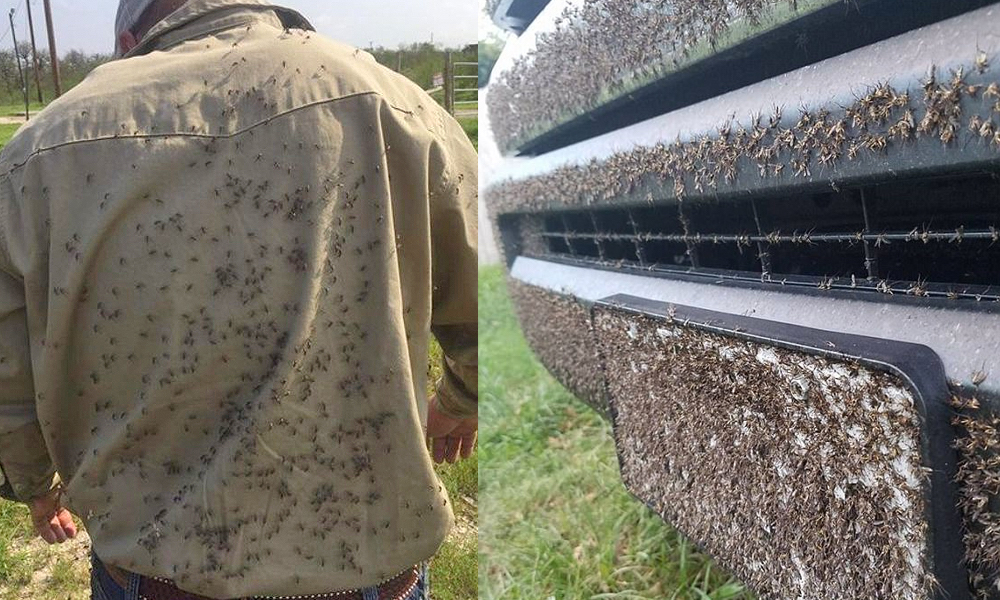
(797, 238)
(938, 237)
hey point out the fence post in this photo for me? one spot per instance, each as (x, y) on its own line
(449, 84)
(457, 89)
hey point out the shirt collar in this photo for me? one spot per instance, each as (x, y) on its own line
(198, 18)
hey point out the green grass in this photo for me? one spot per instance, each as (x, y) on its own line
(556, 521)
(7, 132)
(471, 127)
(454, 571)
(456, 580)
(69, 575)
(17, 110)
(15, 561)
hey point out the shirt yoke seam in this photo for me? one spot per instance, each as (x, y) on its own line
(195, 135)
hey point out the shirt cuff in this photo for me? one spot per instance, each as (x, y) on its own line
(454, 398)
(27, 467)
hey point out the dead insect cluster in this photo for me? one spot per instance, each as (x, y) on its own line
(616, 47)
(558, 329)
(743, 445)
(819, 139)
(978, 480)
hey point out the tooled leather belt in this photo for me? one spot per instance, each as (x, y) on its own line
(397, 588)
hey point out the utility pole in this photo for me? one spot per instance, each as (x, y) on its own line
(52, 48)
(17, 57)
(449, 84)
(34, 53)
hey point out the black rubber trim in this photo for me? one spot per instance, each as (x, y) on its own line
(918, 366)
(826, 33)
(516, 15)
(743, 280)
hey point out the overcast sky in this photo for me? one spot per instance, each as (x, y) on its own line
(88, 25)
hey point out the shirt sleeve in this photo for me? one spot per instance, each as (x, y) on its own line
(454, 255)
(24, 457)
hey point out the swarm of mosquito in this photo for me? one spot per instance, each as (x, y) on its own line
(558, 329)
(775, 146)
(801, 475)
(241, 318)
(615, 46)
(978, 479)
(877, 120)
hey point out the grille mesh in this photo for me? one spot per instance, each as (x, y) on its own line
(935, 237)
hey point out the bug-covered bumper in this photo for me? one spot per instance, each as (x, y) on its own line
(758, 446)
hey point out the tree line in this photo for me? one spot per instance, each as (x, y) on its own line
(419, 62)
(73, 67)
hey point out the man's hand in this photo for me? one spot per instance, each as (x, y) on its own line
(52, 522)
(450, 437)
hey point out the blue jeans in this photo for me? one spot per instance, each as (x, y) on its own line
(103, 587)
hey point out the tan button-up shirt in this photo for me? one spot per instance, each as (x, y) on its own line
(220, 261)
